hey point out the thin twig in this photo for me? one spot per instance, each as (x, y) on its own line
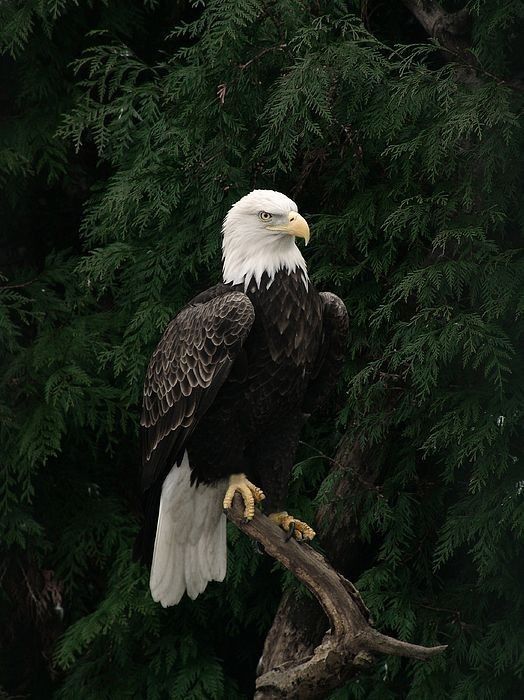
(345, 468)
(513, 84)
(18, 286)
(279, 47)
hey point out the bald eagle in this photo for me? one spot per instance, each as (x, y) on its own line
(226, 393)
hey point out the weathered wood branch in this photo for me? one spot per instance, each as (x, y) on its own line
(446, 27)
(351, 642)
(452, 30)
(300, 623)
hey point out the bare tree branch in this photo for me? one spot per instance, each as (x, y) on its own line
(453, 32)
(261, 53)
(447, 27)
(351, 642)
(300, 624)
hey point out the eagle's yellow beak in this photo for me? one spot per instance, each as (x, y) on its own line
(297, 226)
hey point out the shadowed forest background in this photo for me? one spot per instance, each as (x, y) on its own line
(127, 130)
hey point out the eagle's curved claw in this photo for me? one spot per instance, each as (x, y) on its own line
(293, 527)
(250, 493)
(291, 531)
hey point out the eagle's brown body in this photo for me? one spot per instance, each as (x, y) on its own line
(259, 407)
(281, 347)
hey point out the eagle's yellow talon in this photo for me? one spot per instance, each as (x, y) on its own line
(250, 493)
(300, 530)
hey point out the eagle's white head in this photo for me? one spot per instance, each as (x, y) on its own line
(259, 236)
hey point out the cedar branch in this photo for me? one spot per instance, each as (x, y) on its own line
(351, 642)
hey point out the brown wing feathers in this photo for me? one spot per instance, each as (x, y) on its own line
(187, 369)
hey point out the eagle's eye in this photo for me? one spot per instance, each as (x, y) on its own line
(264, 215)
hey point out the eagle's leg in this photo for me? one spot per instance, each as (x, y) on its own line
(295, 528)
(250, 493)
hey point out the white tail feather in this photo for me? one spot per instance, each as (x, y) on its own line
(190, 543)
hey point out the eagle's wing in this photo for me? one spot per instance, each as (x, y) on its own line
(335, 326)
(188, 367)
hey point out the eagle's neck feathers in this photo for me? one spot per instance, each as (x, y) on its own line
(247, 255)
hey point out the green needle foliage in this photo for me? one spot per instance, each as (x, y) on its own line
(127, 130)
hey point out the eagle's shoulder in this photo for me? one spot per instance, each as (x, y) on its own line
(216, 290)
(335, 308)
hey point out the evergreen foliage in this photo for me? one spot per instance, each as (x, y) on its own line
(127, 131)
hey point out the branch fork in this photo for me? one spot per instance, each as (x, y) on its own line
(351, 643)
